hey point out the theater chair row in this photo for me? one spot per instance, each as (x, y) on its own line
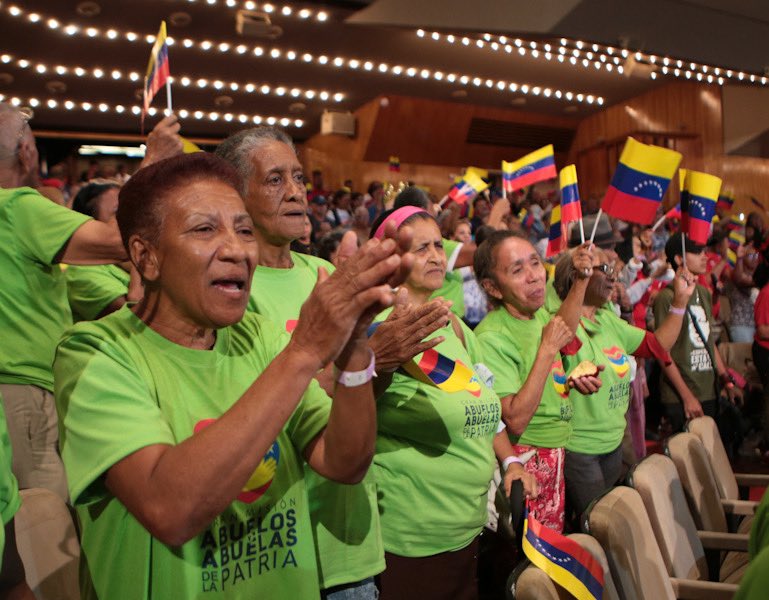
(677, 530)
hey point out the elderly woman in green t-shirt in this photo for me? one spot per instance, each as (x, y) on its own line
(593, 451)
(185, 425)
(436, 421)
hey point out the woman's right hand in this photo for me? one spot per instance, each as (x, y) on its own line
(341, 306)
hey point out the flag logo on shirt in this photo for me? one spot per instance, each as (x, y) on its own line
(618, 360)
(262, 477)
(444, 373)
(559, 379)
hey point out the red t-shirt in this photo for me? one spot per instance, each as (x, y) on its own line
(761, 313)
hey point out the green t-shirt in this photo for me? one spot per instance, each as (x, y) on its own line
(92, 289)
(452, 288)
(759, 528)
(9, 487)
(598, 423)
(121, 386)
(344, 518)
(434, 456)
(279, 292)
(509, 348)
(34, 311)
(755, 582)
(689, 353)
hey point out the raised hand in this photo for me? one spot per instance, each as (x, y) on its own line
(556, 334)
(163, 141)
(582, 260)
(684, 285)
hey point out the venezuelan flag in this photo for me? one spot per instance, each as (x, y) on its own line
(564, 560)
(395, 164)
(534, 167)
(640, 181)
(725, 201)
(698, 204)
(526, 218)
(571, 209)
(157, 69)
(555, 239)
(735, 240)
(731, 258)
(468, 187)
(734, 223)
(443, 372)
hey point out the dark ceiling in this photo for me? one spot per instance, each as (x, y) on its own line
(521, 72)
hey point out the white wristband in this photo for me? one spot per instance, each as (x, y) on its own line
(356, 378)
(510, 460)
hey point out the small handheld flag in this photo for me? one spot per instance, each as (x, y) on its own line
(395, 164)
(468, 187)
(564, 560)
(734, 223)
(157, 70)
(571, 209)
(526, 218)
(725, 201)
(698, 205)
(555, 238)
(640, 182)
(534, 167)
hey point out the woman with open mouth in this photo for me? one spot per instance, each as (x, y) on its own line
(185, 425)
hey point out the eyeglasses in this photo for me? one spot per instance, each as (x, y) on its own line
(604, 268)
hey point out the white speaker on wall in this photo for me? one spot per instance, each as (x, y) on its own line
(340, 123)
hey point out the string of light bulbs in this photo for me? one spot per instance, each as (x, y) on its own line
(286, 10)
(184, 113)
(599, 56)
(353, 64)
(184, 80)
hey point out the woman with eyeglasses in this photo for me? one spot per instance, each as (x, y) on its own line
(593, 452)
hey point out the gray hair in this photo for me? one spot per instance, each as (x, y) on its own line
(12, 125)
(238, 148)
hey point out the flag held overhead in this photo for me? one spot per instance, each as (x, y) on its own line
(157, 69)
(555, 238)
(467, 188)
(571, 209)
(532, 168)
(698, 204)
(640, 182)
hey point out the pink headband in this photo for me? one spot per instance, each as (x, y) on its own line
(398, 216)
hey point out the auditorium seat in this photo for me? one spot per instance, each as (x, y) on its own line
(709, 513)
(48, 545)
(619, 522)
(681, 545)
(727, 481)
(532, 583)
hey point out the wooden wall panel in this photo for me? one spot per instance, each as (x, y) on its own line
(424, 131)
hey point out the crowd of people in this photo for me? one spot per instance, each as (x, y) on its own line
(247, 386)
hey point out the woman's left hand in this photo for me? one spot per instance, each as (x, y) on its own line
(516, 471)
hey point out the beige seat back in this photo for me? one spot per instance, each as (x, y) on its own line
(705, 428)
(693, 465)
(535, 584)
(657, 482)
(48, 545)
(619, 522)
